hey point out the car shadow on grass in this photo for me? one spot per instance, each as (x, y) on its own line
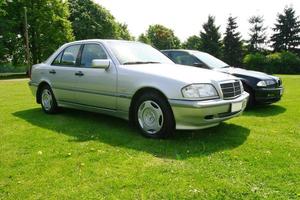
(85, 126)
(264, 110)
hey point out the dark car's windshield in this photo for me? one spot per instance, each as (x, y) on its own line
(210, 60)
(129, 53)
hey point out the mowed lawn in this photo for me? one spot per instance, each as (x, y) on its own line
(81, 155)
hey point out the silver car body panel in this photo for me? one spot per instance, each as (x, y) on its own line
(110, 90)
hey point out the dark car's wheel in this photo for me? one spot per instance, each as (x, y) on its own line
(48, 100)
(153, 115)
(251, 99)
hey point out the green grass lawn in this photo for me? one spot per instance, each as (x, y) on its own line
(81, 155)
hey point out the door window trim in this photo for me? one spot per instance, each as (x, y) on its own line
(81, 50)
(63, 51)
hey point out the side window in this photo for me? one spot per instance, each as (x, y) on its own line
(167, 54)
(57, 59)
(69, 55)
(184, 59)
(90, 52)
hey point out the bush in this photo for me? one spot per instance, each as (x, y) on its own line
(9, 68)
(283, 62)
(255, 61)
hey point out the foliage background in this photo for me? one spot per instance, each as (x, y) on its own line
(52, 23)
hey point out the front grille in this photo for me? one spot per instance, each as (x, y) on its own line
(231, 90)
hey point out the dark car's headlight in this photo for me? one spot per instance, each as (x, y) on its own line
(265, 83)
(200, 91)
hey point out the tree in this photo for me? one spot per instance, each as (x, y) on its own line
(143, 38)
(2, 3)
(122, 32)
(193, 42)
(233, 46)
(162, 37)
(211, 38)
(90, 21)
(257, 34)
(48, 29)
(287, 31)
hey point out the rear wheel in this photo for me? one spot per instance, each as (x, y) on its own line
(48, 100)
(153, 116)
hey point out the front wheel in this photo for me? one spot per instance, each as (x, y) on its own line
(154, 116)
(48, 100)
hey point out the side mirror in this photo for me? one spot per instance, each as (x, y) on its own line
(100, 63)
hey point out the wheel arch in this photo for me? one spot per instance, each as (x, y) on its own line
(139, 93)
(39, 89)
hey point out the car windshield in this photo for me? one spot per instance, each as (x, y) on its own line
(137, 53)
(210, 60)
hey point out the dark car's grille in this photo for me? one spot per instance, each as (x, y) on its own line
(231, 90)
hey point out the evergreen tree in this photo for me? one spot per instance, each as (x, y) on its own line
(193, 42)
(257, 34)
(233, 46)
(210, 37)
(287, 31)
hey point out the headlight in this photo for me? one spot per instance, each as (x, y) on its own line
(261, 84)
(265, 83)
(203, 91)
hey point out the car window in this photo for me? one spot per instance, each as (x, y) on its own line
(90, 52)
(57, 59)
(70, 55)
(129, 53)
(183, 58)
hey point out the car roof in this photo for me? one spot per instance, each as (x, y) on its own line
(99, 40)
(182, 50)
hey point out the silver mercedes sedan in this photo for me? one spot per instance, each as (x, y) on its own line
(134, 81)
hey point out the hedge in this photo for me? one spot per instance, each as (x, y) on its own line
(282, 63)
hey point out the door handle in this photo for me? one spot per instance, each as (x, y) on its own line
(79, 73)
(52, 71)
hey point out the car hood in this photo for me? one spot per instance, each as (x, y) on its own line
(181, 73)
(243, 72)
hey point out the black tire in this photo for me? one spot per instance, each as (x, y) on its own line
(52, 107)
(166, 121)
(251, 99)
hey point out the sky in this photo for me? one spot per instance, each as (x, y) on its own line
(185, 17)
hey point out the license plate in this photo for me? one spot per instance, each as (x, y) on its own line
(236, 106)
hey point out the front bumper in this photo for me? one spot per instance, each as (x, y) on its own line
(204, 114)
(268, 95)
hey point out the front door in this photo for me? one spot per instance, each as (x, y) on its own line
(95, 86)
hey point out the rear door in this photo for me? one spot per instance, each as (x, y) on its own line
(95, 86)
(62, 73)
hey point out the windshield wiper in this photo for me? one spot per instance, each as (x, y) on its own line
(139, 62)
